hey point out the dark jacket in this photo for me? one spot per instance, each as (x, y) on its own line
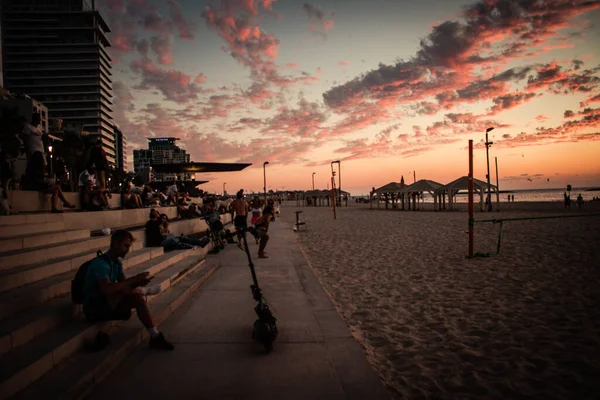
(153, 236)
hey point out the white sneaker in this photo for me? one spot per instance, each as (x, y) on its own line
(150, 290)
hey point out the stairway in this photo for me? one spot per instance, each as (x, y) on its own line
(42, 334)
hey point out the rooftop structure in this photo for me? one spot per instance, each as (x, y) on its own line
(161, 151)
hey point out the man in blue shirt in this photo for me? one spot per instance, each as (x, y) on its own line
(110, 296)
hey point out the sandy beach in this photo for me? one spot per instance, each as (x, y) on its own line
(436, 325)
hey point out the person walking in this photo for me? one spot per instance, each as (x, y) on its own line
(256, 212)
(262, 227)
(32, 137)
(240, 209)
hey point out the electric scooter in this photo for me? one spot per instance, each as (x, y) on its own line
(265, 328)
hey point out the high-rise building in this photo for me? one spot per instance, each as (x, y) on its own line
(161, 151)
(120, 149)
(55, 52)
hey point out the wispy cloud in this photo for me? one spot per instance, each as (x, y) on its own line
(320, 19)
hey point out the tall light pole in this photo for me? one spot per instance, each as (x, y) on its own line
(313, 176)
(265, 180)
(487, 154)
(339, 177)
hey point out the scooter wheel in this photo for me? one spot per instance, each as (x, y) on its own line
(264, 333)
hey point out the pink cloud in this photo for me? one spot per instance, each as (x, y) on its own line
(246, 42)
(216, 106)
(183, 27)
(319, 18)
(305, 121)
(461, 63)
(509, 101)
(571, 130)
(127, 18)
(173, 84)
(200, 79)
(260, 94)
(593, 99)
(162, 46)
(236, 22)
(449, 54)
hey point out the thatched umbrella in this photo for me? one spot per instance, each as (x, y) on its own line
(462, 183)
(391, 189)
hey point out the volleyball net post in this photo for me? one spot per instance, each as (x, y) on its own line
(471, 206)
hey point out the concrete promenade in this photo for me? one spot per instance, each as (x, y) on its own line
(314, 357)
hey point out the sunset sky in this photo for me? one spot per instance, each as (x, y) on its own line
(386, 86)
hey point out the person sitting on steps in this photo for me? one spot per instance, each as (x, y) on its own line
(109, 296)
(130, 200)
(170, 240)
(92, 198)
(35, 178)
(159, 235)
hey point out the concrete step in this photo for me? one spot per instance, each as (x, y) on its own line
(19, 299)
(76, 377)
(26, 364)
(28, 241)
(41, 254)
(28, 219)
(94, 220)
(28, 229)
(23, 275)
(31, 201)
(23, 327)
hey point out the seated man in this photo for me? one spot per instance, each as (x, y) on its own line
(172, 241)
(35, 178)
(130, 200)
(159, 235)
(92, 198)
(186, 212)
(109, 296)
(172, 194)
(148, 197)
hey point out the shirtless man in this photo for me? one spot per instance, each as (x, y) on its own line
(240, 209)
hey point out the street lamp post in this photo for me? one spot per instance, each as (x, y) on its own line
(487, 154)
(265, 180)
(313, 176)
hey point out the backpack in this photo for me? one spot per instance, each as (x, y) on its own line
(77, 294)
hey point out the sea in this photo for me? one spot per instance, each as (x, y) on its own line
(541, 195)
(531, 195)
